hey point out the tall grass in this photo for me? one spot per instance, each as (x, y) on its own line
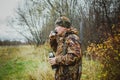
(30, 63)
(91, 69)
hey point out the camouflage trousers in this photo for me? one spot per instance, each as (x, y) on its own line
(70, 77)
(65, 74)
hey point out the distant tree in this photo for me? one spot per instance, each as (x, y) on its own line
(29, 20)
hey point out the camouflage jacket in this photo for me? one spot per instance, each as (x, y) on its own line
(68, 55)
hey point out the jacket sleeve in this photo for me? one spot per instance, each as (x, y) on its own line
(53, 44)
(73, 53)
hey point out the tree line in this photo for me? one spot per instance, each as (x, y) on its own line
(11, 43)
(96, 20)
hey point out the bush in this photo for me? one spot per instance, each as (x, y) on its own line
(108, 53)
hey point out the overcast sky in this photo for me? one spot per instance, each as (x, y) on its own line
(7, 8)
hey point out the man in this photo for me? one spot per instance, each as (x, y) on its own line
(66, 45)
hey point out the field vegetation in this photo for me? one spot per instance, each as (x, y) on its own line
(29, 63)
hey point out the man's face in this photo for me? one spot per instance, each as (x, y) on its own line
(60, 30)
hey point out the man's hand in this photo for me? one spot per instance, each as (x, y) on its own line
(52, 61)
(52, 35)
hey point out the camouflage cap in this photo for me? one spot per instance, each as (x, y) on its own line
(63, 21)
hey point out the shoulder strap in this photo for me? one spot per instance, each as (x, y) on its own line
(64, 47)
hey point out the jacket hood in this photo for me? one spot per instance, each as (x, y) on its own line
(72, 31)
(69, 31)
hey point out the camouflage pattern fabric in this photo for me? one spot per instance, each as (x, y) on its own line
(69, 64)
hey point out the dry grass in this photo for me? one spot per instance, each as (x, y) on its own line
(30, 63)
(91, 69)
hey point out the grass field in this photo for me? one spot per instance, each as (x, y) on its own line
(30, 63)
